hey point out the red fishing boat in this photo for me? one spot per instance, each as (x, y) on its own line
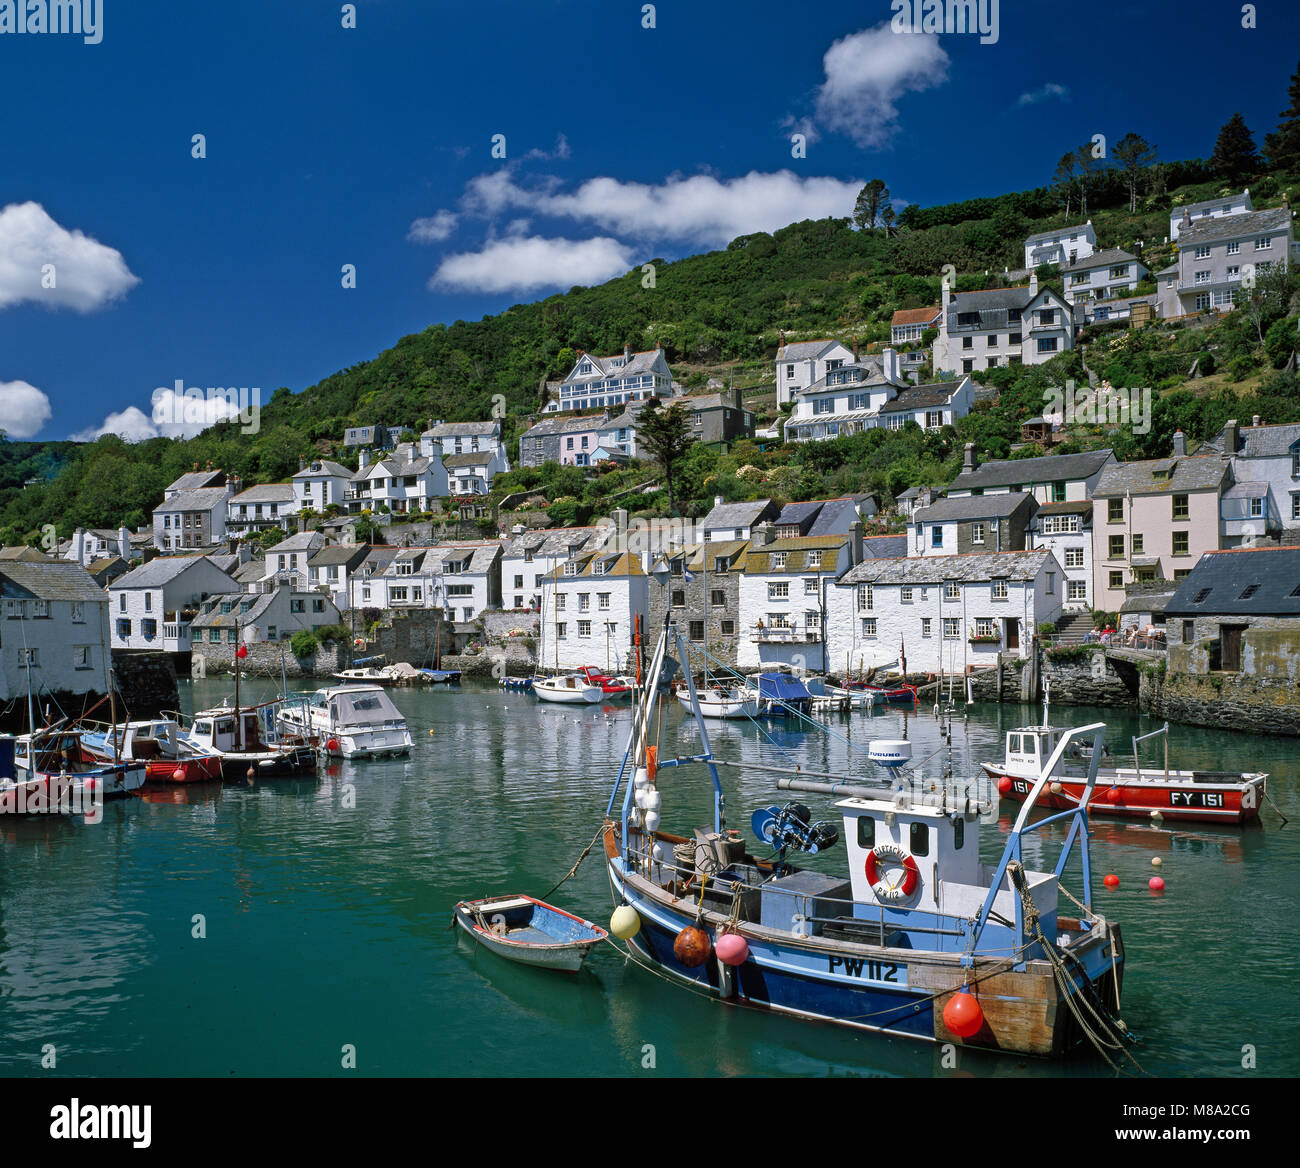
(167, 755)
(611, 687)
(1156, 793)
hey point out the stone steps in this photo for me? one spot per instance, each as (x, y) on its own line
(1073, 628)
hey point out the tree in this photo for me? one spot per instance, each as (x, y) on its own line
(1133, 152)
(871, 199)
(665, 436)
(1283, 145)
(1065, 178)
(887, 219)
(1086, 167)
(1234, 154)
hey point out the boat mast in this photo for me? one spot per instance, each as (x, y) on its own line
(239, 722)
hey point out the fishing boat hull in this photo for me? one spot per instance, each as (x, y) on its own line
(530, 932)
(575, 695)
(292, 762)
(1186, 797)
(732, 707)
(189, 770)
(441, 676)
(868, 987)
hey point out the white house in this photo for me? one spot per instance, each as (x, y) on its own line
(907, 329)
(1105, 275)
(462, 579)
(404, 481)
(801, 364)
(1184, 216)
(260, 507)
(846, 399)
(1061, 245)
(192, 519)
(732, 521)
(1265, 455)
(589, 610)
(287, 560)
(529, 556)
(154, 606)
(236, 618)
(1065, 529)
(332, 570)
(931, 406)
(1053, 478)
(1002, 326)
(53, 630)
(86, 547)
(941, 613)
(602, 383)
(469, 450)
(320, 483)
(784, 586)
(978, 523)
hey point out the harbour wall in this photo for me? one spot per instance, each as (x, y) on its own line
(1231, 701)
(146, 686)
(265, 660)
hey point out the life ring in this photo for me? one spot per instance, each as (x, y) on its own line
(895, 854)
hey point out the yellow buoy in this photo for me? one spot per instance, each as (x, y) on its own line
(1156, 861)
(625, 923)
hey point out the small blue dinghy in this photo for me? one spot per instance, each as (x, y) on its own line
(526, 930)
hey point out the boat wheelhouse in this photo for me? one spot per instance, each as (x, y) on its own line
(920, 939)
(351, 721)
(57, 762)
(159, 743)
(240, 738)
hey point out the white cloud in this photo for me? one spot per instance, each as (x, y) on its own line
(526, 264)
(1051, 89)
(434, 229)
(176, 414)
(561, 150)
(86, 274)
(700, 209)
(24, 409)
(867, 72)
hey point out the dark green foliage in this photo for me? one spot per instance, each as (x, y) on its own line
(1234, 155)
(1283, 145)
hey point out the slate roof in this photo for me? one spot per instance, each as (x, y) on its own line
(396, 467)
(759, 559)
(1220, 201)
(883, 547)
(1075, 507)
(253, 571)
(322, 468)
(469, 458)
(257, 604)
(301, 541)
(196, 480)
(1274, 441)
(204, 499)
(462, 430)
(53, 580)
(975, 507)
(704, 557)
(265, 493)
(804, 350)
(1082, 229)
(567, 425)
(921, 397)
(836, 515)
(28, 554)
(1152, 602)
(1222, 578)
(157, 573)
(1138, 478)
(1222, 227)
(616, 564)
(551, 543)
(338, 554)
(801, 513)
(1049, 468)
(738, 514)
(1101, 259)
(937, 569)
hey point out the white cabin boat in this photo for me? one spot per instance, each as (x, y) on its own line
(571, 689)
(718, 701)
(349, 721)
(245, 752)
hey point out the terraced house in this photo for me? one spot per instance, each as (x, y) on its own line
(602, 383)
(154, 606)
(702, 595)
(472, 453)
(1002, 326)
(528, 556)
(589, 608)
(802, 364)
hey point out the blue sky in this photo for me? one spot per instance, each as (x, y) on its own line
(372, 146)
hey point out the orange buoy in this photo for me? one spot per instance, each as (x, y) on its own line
(962, 1015)
(1004, 785)
(692, 947)
(651, 762)
(1111, 881)
(178, 775)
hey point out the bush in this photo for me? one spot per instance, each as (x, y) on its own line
(329, 633)
(304, 643)
(1239, 368)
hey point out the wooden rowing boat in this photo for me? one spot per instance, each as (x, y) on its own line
(529, 931)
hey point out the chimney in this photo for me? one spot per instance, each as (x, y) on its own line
(1033, 282)
(855, 350)
(781, 334)
(302, 464)
(945, 299)
(763, 534)
(620, 525)
(363, 459)
(1230, 437)
(627, 354)
(79, 546)
(124, 544)
(1180, 444)
(1254, 421)
(855, 543)
(971, 461)
(717, 500)
(889, 365)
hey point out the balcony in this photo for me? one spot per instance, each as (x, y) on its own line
(785, 635)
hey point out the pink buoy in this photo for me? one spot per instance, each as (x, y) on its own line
(1111, 881)
(1156, 884)
(178, 775)
(732, 949)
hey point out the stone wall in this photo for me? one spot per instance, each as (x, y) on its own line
(1090, 680)
(264, 660)
(1230, 700)
(146, 682)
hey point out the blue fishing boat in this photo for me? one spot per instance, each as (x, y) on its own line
(918, 938)
(523, 929)
(781, 695)
(516, 683)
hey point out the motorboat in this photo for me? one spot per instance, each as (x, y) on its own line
(570, 688)
(52, 771)
(368, 675)
(611, 687)
(719, 701)
(240, 738)
(350, 721)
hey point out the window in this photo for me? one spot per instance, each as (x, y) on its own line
(905, 594)
(1181, 543)
(1295, 506)
(1047, 344)
(977, 533)
(562, 631)
(814, 559)
(123, 629)
(869, 628)
(951, 628)
(1047, 316)
(679, 598)
(1136, 544)
(778, 559)
(968, 342)
(30, 657)
(1181, 507)
(81, 657)
(1181, 574)
(999, 588)
(866, 597)
(584, 628)
(1202, 596)
(1234, 246)
(602, 601)
(778, 590)
(561, 598)
(1256, 508)
(1263, 243)
(986, 626)
(936, 536)
(966, 367)
(696, 630)
(823, 405)
(299, 606)
(951, 590)
(1015, 339)
(925, 626)
(121, 603)
(1115, 510)
(934, 418)
(1189, 632)
(570, 569)
(1077, 590)
(1202, 278)
(1074, 557)
(40, 609)
(728, 628)
(1115, 580)
(584, 601)
(1248, 591)
(1203, 252)
(230, 636)
(810, 586)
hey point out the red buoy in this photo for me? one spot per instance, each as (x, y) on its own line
(1004, 785)
(1111, 881)
(1156, 884)
(332, 746)
(241, 652)
(962, 1015)
(692, 947)
(178, 775)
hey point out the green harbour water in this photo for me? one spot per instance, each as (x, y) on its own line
(325, 907)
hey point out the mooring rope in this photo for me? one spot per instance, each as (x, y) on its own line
(576, 864)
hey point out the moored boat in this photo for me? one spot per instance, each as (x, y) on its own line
(237, 738)
(56, 764)
(349, 721)
(718, 701)
(921, 939)
(571, 689)
(611, 687)
(529, 931)
(167, 755)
